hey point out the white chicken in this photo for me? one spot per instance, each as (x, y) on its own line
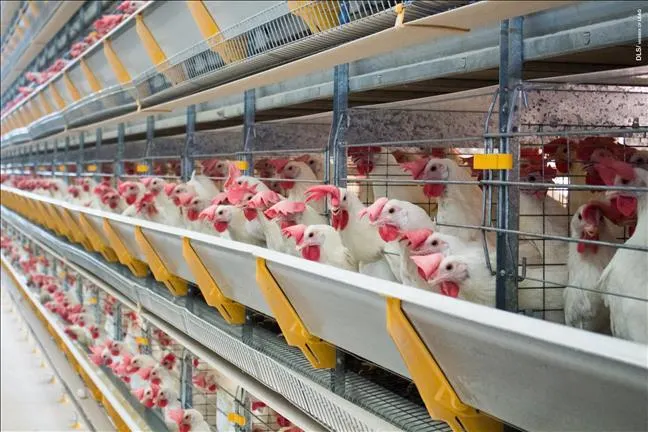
(189, 420)
(584, 308)
(232, 219)
(625, 278)
(393, 217)
(380, 167)
(321, 243)
(298, 178)
(358, 235)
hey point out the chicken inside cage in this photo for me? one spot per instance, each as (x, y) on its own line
(414, 201)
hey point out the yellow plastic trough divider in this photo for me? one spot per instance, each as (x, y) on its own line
(319, 353)
(231, 311)
(95, 239)
(118, 421)
(230, 50)
(318, 16)
(176, 285)
(77, 234)
(137, 267)
(175, 74)
(438, 395)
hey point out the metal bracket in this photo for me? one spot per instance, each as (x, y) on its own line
(137, 267)
(438, 395)
(319, 353)
(95, 240)
(176, 285)
(231, 311)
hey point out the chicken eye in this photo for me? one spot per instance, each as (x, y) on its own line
(311, 235)
(580, 217)
(344, 198)
(532, 178)
(391, 210)
(220, 212)
(625, 182)
(240, 182)
(220, 165)
(435, 242)
(449, 267)
(640, 161)
(433, 168)
(564, 150)
(290, 168)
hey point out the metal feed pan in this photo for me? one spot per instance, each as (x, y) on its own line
(351, 319)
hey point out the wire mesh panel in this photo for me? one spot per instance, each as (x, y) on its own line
(284, 32)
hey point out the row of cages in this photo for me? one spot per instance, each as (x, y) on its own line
(194, 60)
(167, 384)
(428, 155)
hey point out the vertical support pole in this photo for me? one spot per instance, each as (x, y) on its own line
(97, 153)
(80, 159)
(117, 322)
(186, 382)
(79, 289)
(249, 134)
(150, 133)
(511, 59)
(119, 156)
(337, 139)
(54, 157)
(66, 153)
(187, 160)
(146, 349)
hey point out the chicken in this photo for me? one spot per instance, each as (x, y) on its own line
(290, 213)
(232, 218)
(130, 6)
(315, 163)
(192, 205)
(392, 217)
(167, 398)
(155, 186)
(358, 235)
(202, 186)
(189, 420)
(459, 276)
(147, 395)
(380, 167)
(321, 243)
(625, 278)
(298, 177)
(584, 308)
(255, 208)
(131, 191)
(457, 203)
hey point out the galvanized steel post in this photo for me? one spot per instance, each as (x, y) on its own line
(66, 153)
(339, 125)
(54, 157)
(150, 133)
(80, 159)
(249, 108)
(117, 322)
(510, 74)
(186, 382)
(97, 153)
(187, 160)
(119, 156)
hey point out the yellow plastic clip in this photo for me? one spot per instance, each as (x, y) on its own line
(96, 240)
(176, 285)
(231, 311)
(142, 168)
(438, 395)
(236, 418)
(241, 164)
(493, 161)
(141, 340)
(92, 300)
(319, 353)
(137, 267)
(91, 168)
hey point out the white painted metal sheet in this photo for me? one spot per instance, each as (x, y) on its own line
(99, 66)
(131, 52)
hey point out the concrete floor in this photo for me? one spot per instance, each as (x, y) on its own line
(29, 401)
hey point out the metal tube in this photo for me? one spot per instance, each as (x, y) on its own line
(119, 156)
(187, 160)
(117, 322)
(150, 133)
(339, 124)
(80, 166)
(186, 383)
(97, 152)
(65, 157)
(249, 134)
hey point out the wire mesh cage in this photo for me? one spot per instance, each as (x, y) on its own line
(284, 32)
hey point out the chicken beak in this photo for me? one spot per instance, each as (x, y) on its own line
(591, 230)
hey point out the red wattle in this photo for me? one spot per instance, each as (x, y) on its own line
(220, 226)
(192, 214)
(340, 219)
(433, 190)
(250, 214)
(626, 205)
(287, 184)
(389, 233)
(311, 253)
(450, 289)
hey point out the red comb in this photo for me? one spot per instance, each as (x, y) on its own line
(417, 237)
(374, 209)
(296, 232)
(415, 167)
(279, 164)
(321, 191)
(428, 264)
